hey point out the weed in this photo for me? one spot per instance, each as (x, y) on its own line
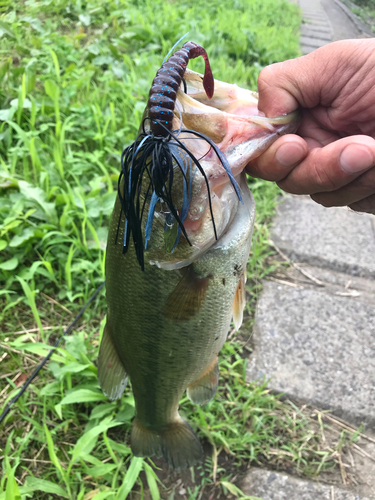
(74, 82)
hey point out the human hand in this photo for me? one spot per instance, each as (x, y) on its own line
(333, 156)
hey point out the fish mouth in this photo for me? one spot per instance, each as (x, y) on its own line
(231, 116)
(231, 120)
(240, 137)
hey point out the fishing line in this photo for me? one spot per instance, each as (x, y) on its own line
(174, 46)
(44, 361)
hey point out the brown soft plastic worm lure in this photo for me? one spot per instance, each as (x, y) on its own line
(164, 88)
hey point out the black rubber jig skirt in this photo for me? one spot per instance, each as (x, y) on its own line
(148, 165)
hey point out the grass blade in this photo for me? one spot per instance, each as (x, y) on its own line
(152, 481)
(130, 478)
(31, 301)
(51, 452)
(37, 484)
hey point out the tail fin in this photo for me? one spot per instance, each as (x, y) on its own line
(177, 443)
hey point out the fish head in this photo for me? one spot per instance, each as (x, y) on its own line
(212, 142)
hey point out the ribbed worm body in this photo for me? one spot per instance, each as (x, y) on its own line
(164, 87)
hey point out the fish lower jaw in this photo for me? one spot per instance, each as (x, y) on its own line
(201, 235)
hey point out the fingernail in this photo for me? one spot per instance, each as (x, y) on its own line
(356, 158)
(290, 154)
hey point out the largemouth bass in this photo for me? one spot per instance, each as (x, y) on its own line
(171, 297)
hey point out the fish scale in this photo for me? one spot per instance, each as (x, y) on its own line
(153, 337)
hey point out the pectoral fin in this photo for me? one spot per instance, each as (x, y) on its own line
(204, 389)
(111, 372)
(239, 302)
(187, 298)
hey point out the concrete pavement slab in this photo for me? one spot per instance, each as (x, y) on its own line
(317, 348)
(333, 282)
(351, 27)
(269, 485)
(307, 31)
(334, 238)
(312, 41)
(316, 28)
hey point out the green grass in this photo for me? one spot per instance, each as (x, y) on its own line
(74, 82)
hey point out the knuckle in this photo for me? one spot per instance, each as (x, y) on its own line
(266, 77)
